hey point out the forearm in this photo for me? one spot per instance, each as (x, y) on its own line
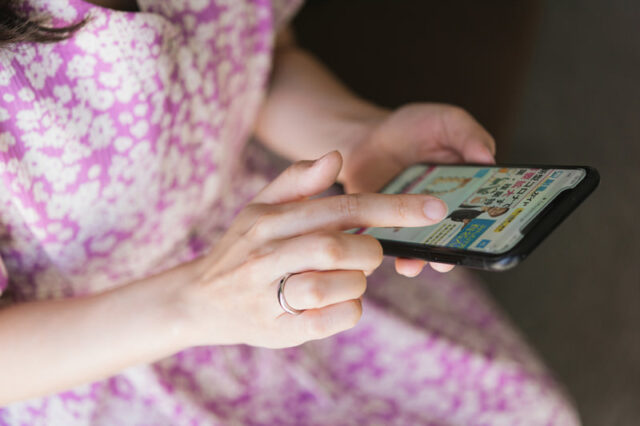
(50, 346)
(308, 112)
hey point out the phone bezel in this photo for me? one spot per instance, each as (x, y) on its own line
(539, 227)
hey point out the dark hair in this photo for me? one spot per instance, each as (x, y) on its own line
(15, 27)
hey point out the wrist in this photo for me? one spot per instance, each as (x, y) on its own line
(194, 314)
(163, 300)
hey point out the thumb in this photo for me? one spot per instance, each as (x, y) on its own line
(302, 179)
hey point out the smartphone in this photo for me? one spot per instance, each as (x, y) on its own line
(497, 214)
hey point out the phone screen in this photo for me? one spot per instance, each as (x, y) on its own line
(489, 206)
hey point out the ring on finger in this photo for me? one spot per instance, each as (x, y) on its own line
(282, 301)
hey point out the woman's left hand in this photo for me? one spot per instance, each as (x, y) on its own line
(426, 132)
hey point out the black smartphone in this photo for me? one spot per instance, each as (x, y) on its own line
(497, 214)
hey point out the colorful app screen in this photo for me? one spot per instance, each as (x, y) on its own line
(488, 206)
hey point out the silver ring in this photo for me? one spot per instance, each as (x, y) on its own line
(283, 302)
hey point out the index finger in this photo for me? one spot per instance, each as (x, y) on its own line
(351, 211)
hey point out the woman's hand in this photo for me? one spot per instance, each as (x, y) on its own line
(415, 133)
(308, 111)
(433, 133)
(234, 295)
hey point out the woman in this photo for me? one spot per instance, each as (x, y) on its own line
(147, 283)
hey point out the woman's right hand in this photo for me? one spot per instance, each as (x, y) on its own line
(232, 296)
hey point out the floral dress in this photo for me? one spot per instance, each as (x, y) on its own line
(123, 152)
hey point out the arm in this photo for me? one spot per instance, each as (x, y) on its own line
(308, 112)
(52, 345)
(225, 297)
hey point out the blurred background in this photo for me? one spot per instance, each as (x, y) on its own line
(555, 82)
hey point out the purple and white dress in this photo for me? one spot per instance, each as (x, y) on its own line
(123, 152)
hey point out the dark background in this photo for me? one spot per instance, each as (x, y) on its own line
(555, 82)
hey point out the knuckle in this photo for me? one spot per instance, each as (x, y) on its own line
(261, 251)
(330, 247)
(402, 207)
(314, 295)
(262, 226)
(334, 252)
(349, 205)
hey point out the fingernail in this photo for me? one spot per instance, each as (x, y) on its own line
(435, 210)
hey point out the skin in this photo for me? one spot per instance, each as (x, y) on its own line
(229, 295)
(309, 112)
(496, 211)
